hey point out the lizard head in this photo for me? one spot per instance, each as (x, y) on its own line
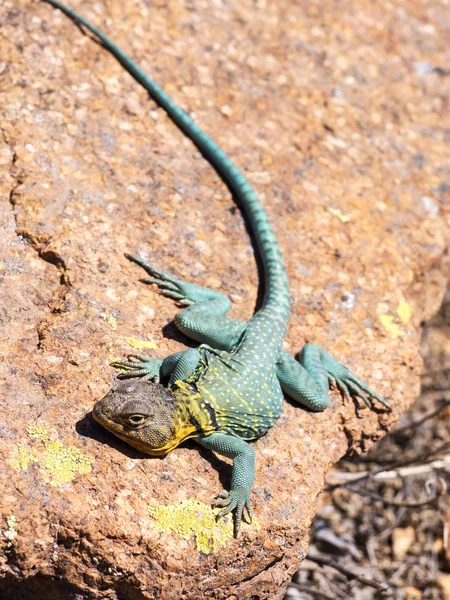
(142, 413)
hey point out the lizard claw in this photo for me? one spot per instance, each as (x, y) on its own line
(182, 292)
(222, 494)
(167, 285)
(350, 386)
(147, 368)
(234, 500)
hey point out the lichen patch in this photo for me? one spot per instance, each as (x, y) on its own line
(140, 344)
(192, 518)
(61, 463)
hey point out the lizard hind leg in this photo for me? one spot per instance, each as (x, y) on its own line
(183, 292)
(203, 319)
(306, 379)
(340, 376)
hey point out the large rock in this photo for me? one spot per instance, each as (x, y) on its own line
(335, 112)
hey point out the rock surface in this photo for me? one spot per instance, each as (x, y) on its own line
(335, 111)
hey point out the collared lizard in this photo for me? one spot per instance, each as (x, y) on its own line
(229, 390)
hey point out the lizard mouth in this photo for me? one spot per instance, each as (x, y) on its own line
(140, 445)
(99, 414)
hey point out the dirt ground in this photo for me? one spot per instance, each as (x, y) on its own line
(386, 533)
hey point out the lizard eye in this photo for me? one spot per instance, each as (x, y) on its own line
(135, 420)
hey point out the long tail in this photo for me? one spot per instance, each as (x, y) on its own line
(276, 294)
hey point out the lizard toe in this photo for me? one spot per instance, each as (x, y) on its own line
(235, 500)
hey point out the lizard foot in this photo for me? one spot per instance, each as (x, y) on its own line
(351, 387)
(147, 368)
(168, 286)
(237, 500)
(319, 363)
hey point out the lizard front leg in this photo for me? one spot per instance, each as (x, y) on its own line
(178, 366)
(243, 457)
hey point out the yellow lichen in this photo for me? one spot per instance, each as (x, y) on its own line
(337, 212)
(392, 322)
(25, 456)
(11, 533)
(388, 322)
(110, 319)
(191, 517)
(140, 344)
(404, 311)
(62, 462)
(38, 431)
(134, 343)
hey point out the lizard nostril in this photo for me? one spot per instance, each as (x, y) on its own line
(101, 410)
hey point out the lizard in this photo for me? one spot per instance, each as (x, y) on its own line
(230, 389)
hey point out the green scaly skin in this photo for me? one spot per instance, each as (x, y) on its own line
(230, 389)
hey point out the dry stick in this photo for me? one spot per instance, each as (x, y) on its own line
(432, 389)
(399, 470)
(396, 469)
(349, 574)
(415, 424)
(383, 475)
(363, 492)
(395, 432)
(398, 518)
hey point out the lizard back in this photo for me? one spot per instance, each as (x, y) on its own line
(236, 396)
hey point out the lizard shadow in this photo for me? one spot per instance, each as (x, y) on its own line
(223, 469)
(171, 332)
(256, 252)
(88, 427)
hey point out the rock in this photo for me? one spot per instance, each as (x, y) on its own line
(342, 137)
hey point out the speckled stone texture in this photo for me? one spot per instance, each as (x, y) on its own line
(336, 113)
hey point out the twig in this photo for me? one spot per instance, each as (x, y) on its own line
(349, 574)
(419, 422)
(395, 467)
(364, 492)
(387, 532)
(407, 564)
(382, 474)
